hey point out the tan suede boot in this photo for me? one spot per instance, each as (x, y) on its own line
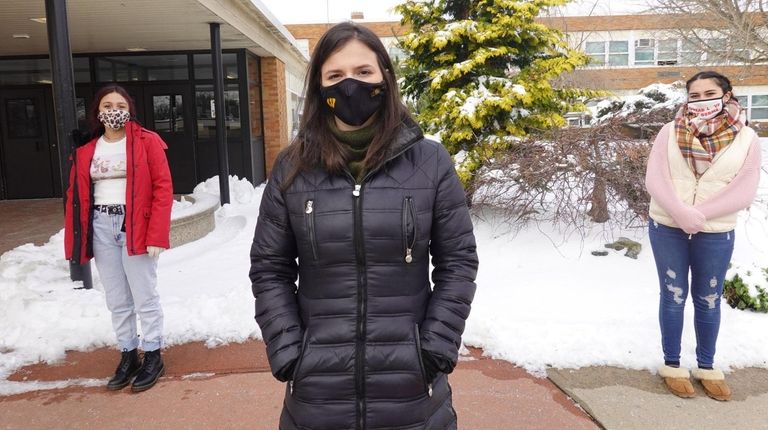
(678, 381)
(714, 383)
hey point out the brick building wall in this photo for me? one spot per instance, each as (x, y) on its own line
(275, 108)
(632, 78)
(625, 22)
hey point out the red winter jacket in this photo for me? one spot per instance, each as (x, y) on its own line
(148, 195)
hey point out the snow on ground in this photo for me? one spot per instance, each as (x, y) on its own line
(204, 290)
(542, 299)
(545, 301)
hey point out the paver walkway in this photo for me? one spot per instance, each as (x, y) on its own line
(231, 388)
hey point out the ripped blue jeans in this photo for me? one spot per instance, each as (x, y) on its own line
(706, 256)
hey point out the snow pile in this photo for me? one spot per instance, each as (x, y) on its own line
(199, 202)
(182, 204)
(240, 190)
(653, 97)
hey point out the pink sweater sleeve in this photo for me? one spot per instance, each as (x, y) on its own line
(740, 192)
(658, 180)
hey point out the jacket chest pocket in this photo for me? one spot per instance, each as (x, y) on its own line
(309, 220)
(409, 229)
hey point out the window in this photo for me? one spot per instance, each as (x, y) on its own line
(644, 52)
(25, 72)
(82, 120)
(718, 51)
(38, 71)
(759, 108)
(82, 69)
(596, 53)
(203, 69)
(168, 113)
(618, 53)
(667, 54)
(740, 56)
(396, 54)
(297, 102)
(690, 53)
(142, 68)
(23, 118)
(205, 110)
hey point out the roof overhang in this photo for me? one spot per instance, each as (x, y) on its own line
(152, 25)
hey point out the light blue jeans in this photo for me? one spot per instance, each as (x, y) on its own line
(706, 256)
(129, 285)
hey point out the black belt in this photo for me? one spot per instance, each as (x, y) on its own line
(110, 209)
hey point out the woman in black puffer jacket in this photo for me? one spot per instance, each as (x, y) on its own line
(362, 200)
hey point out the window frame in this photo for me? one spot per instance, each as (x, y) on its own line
(614, 54)
(602, 62)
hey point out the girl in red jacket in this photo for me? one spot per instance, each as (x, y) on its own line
(124, 198)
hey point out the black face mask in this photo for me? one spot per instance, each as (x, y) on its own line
(353, 101)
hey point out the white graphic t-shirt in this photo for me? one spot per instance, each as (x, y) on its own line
(108, 172)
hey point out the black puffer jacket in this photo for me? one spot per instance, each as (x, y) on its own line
(349, 339)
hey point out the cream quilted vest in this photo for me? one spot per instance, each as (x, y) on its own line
(724, 168)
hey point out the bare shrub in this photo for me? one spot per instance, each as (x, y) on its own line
(573, 176)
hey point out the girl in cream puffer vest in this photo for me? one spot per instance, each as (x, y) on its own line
(703, 169)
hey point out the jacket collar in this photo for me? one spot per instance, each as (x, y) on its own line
(410, 133)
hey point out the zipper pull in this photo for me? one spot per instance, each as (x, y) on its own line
(308, 208)
(290, 386)
(356, 191)
(408, 256)
(429, 391)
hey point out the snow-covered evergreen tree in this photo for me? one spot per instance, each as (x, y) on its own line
(480, 73)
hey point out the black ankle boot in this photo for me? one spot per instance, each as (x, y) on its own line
(151, 370)
(129, 365)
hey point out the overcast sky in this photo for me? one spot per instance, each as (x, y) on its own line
(320, 11)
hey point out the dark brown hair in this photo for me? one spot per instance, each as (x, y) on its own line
(721, 81)
(315, 145)
(97, 128)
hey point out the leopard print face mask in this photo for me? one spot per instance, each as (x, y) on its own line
(114, 118)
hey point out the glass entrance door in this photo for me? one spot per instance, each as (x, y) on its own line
(168, 112)
(27, 157)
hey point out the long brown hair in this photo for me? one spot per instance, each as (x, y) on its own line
(315, 146)
(97, 128)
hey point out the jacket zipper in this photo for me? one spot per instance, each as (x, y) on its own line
(427, 385)
(409, 242)
(695, 191)
(302, 353)
(309, 210)
(362, 288)
(361, 306)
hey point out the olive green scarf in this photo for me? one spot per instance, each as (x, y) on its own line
(357, 143)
